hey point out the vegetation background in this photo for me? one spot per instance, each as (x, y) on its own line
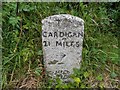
(22, 49)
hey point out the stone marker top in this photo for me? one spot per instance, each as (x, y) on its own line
(60, 17)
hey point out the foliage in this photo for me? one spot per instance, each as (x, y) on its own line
(22, 49)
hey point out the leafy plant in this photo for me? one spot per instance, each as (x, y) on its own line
(22, 47)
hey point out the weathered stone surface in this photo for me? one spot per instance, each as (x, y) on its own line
(62, 38)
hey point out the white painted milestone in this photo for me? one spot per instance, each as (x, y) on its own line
(62, 39)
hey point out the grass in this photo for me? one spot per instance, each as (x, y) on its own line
(22, 48)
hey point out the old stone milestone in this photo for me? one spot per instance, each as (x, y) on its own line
(62, 39)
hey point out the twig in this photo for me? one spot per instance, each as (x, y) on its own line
(17, 14)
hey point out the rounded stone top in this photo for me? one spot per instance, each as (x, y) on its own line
(61, 17)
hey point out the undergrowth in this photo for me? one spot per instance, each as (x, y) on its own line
(22, 48)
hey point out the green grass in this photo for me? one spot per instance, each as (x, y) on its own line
(22, 48)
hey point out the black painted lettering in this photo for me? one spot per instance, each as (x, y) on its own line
(58, 43)
(77, 44)
(72, 42)
(44, 34)
(68, 44)
(64, 44)
(63, 74)
(80, 34)
(46, 43)
(66, 34)
(69, 34)
(74, 34)
(61, 34)
(55, 34)
(50, 34)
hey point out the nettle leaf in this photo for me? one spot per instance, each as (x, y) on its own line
(25, 27)
(14, 20)
(86, 74)
(26, 8)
